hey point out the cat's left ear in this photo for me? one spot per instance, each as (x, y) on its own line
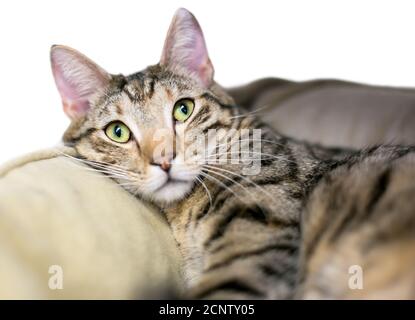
(77, 78)
(185, 48)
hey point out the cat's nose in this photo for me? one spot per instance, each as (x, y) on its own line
(164, 162)
(165, 165)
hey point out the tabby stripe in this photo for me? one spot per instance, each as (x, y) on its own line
(236, 182)
(243, 255)
(321, 171)
(118, 110)
(150, 89)
(208, 96)
(292, 165)
(233, 285)
(129, 94)
(403, 152)
(216, 126)
(345, 222)
(201, 117)
(216, 206)
(243, 213)
(203, 212)
(268, 180)
(353, 160)
(101, 147)
(267, 162)
(396, 155)
(318, 233)
(81, 136)
(287, 273)
(189, 219)
(400, 227)
(119, 82)
(379, 189)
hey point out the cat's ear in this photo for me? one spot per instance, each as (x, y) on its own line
(77, 79)
(185, 48)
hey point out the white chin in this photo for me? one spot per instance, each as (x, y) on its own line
(172, 191)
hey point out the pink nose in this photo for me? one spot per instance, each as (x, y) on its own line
(164, 162)
(165, 165)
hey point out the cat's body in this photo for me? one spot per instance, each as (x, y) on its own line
(360, 218)
(268, 235)
(251, 245)
(231, 241)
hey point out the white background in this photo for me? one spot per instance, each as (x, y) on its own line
(366, 41)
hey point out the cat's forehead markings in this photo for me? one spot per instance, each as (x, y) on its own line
(149, 87)
(134, 90)
(118, 109)
(128, 92)
(140, 86)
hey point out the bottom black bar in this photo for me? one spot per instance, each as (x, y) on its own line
(185, 309)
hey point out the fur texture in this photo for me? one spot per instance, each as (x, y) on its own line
(290, 230)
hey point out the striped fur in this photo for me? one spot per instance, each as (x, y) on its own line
(362, 213)
(290, 231)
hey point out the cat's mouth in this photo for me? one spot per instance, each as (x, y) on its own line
(172, 190)
(171, 181)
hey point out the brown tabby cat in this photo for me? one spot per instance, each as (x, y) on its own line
(291, 230)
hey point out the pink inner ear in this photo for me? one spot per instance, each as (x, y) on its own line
(77, 79)
(74, 105)
(185, 47)
(198, 60)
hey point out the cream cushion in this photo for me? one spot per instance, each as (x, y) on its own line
(108, 244)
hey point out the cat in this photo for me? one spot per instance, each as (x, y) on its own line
(290, 231)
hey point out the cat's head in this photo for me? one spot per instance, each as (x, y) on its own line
(124, 123)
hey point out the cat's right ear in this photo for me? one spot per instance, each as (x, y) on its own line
(185, 48)
(77, 79)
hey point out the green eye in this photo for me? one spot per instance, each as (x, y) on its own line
(118, 132)
(183, 109)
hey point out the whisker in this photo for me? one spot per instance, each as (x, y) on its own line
(242, 177)
(230, 179)
(207, 191)
(262, 140)
(271, 156)
(243, 187)
(246, 114)
(220, 183)
(106, 171)
(94, 162)
(113, 166)
(102, 165)
(107, 166)
(127, 184)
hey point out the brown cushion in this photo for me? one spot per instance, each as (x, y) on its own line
(332, 112)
